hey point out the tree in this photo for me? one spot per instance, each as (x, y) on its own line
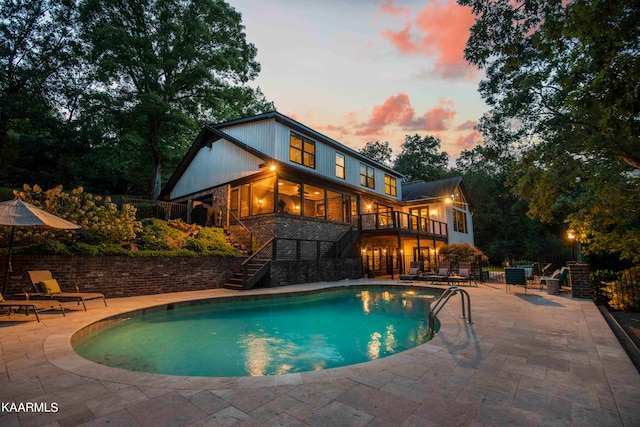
(37, 55)
(420, 159)
(561, 82)
(165, 66)
(378, 151)
(500, 225)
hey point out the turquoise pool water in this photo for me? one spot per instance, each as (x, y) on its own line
(265, 336)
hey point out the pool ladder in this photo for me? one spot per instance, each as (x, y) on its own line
(446, 296)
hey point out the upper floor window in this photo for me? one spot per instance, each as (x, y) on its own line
(340, 165)
(459, 221)
(302, 151)
(390, 185)
(367, 176)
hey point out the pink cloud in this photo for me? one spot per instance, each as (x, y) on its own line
(468, 125)
(398, 111)
(389, 7)
(469, 140)
(440, 30)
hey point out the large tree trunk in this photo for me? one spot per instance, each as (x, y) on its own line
(156, 175)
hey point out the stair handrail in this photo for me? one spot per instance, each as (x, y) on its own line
(255, 254)
(245, 265)
(246, 228)
(349, 236)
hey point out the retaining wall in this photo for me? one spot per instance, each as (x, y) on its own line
(122, 276)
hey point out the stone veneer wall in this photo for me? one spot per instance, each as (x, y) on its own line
(122, 276)
(294, 272)
(295, 227)
(579, 280)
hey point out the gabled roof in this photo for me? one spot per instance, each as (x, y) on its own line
(213, 132)
(421, 190)
(207, 136)
(306, 131)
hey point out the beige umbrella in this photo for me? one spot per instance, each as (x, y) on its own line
(16, 213)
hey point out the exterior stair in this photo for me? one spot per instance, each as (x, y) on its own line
(253, 269)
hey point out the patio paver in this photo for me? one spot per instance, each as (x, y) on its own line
(534, 359)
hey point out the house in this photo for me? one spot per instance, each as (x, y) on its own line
(302, 199)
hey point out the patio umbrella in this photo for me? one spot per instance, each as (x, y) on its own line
(16, 213)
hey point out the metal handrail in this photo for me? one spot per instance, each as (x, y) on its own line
(440, 302)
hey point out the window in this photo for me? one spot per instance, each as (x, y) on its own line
(384, 216)
(302, 151)
(390, 185)
(340, 165)
(459, 221)
(367, 176)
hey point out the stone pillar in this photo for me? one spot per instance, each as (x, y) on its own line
(579, 280)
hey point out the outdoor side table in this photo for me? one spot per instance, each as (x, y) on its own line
(553, 286)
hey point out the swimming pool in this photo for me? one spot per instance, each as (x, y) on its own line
(265, 336)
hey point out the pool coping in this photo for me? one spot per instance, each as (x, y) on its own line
(59, 351)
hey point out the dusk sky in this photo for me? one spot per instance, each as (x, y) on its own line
(368, 70)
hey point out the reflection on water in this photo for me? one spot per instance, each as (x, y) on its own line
(266, 337)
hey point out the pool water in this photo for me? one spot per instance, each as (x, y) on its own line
(266, 336)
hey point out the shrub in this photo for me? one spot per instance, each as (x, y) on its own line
(158, 235)
(211, 241)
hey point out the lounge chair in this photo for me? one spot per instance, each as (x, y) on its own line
(515, 276)
(464, 275)
(36, 306)
(443, 273)
(45, 285)
(415, 271)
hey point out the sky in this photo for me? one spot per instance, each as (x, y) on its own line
(368, 70)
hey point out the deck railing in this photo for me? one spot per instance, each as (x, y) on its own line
(401, 221)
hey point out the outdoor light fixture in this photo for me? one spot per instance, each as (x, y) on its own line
(369, 208)
(448, 200)
(297, 207)
(260, 202)
(272, 168)
(433, 212)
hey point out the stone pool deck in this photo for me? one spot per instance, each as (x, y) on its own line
(528, 360)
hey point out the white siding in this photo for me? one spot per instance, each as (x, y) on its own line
(272, 138)
(221, 163)
(259, 135)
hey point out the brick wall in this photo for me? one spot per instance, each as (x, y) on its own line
(120, 276)
(293, 272)
(579, 280)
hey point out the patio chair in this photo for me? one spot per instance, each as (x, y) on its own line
(415, 271)
(515, 276)
(560, 275)
(464, 274)
(36, 306)
(45, 285)
(443, 273)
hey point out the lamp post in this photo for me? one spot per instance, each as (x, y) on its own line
(572, 239)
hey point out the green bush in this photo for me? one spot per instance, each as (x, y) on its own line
(107, 230)
(46, 247)
(157, 235)
(210, 241)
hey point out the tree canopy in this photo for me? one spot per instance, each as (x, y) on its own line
(109, 94)
(378, 151)
(165, 64)
(562, 86)
(420, 158)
